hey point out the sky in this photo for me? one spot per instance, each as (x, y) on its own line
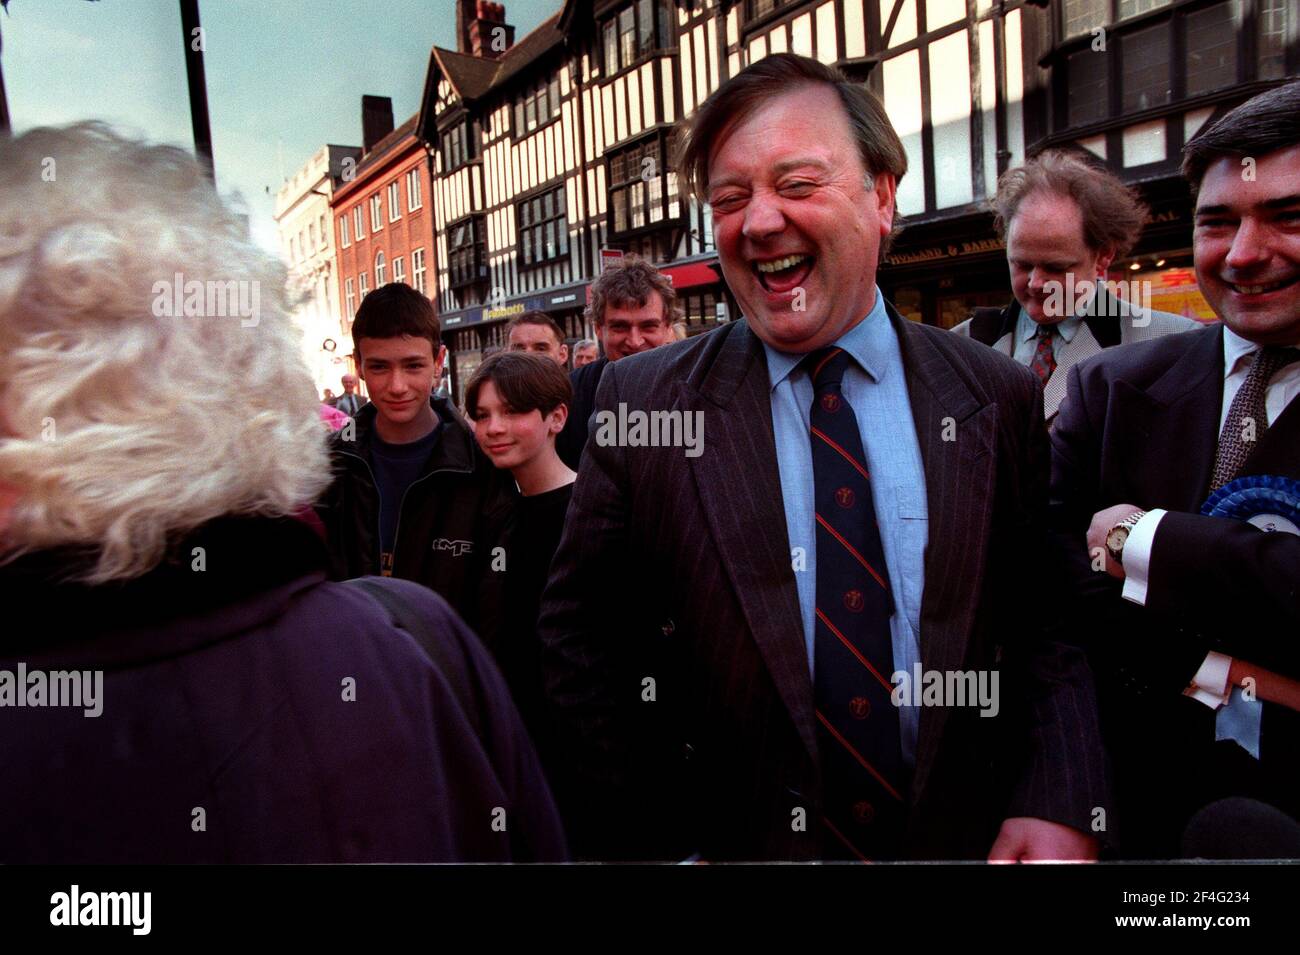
(284, 77)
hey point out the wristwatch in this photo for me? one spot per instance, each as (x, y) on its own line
(1118, 536)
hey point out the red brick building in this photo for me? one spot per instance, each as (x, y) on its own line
(383, 213)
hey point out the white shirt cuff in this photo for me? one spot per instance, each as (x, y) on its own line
(1137, 555)
(1210, 684)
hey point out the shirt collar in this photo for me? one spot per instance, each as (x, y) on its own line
(1235, 348)
(866, 341)
(1027, 328)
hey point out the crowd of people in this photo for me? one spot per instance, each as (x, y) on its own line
(495, 633)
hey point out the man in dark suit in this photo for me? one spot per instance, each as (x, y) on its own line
(733, 624)
(1195, 650)
(633, 306)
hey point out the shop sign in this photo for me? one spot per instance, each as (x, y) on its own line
(952, 250)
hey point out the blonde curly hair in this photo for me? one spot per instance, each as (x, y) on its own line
(127, 427)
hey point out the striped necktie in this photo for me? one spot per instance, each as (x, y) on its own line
(864, 778)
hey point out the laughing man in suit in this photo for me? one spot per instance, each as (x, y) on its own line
(869, 499)
(1064, 221)
(1208, 606)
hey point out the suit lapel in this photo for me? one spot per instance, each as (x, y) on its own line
(751, 534)
(956, 435)
(1083, 346)
(1175, 424)
(995, 327)
(1106, 327)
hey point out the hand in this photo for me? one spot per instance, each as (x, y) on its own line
(1102, 522)
(1266, 685)
(1025, 839)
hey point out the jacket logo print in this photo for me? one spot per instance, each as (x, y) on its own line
(456, 547)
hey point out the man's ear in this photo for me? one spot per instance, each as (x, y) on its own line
(564, 354)
(438, 361)
(886, 187)
(1104, 258)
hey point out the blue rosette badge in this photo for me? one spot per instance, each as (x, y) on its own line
(1267, 501)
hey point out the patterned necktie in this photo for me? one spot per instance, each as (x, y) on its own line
(864, 778)
(1248, 416)
(1044, 361)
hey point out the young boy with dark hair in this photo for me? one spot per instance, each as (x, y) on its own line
(518, 403)
(413, 497)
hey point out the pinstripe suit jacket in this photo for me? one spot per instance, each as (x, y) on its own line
(672, 639)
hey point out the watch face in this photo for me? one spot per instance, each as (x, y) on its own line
(1115, 540)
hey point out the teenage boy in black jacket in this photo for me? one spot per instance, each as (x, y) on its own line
(413, 496)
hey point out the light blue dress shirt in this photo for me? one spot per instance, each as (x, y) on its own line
(876, 389)
(1025, 340)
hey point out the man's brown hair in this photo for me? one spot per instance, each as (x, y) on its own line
(879, 147)
(524, 382)
(1113, 214)
(1261, 125)
(629, 286)
(535, 317)
(394, 310)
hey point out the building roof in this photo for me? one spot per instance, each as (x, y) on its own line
(541, 40)
(379, 152)
(470, 76)
(473, 77)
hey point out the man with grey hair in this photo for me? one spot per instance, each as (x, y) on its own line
(585, 352)
(350, 402)
(1064, 220)
(868, 503)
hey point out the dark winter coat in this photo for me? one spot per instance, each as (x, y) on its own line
(451, 519)
(253, 712)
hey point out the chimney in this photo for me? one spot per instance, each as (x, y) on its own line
(376, 120)
(481, 29)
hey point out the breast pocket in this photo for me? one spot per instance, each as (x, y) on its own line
(911, 535)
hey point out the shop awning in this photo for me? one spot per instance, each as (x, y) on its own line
(691, 274)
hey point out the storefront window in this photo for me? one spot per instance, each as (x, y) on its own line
(1165, 282)
(908, 303)
(955, 309)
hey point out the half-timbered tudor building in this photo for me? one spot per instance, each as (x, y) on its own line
(552, 153)
(1132, 81)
